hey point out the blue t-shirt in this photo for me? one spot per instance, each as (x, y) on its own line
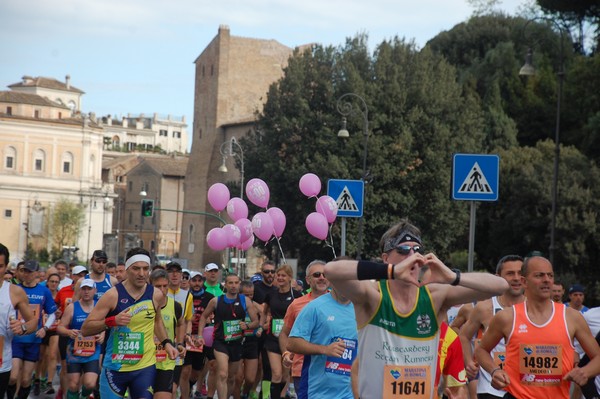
(40, 299)
(101, 287)
(322, 321)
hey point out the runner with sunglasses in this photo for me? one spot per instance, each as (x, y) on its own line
(396, 305)
(98, 274)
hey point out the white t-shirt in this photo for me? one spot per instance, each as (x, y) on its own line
(65, 282)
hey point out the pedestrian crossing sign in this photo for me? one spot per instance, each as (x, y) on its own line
(475, 177)
(349, 196)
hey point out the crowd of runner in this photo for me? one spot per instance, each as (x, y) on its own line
(406, 326)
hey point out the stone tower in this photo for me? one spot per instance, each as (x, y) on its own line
(233, 75)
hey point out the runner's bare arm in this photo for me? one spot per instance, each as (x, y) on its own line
(210, 308)
(21, 304)
(466, 333)
(499, 328)
(253, 313)
(65, 321)
(590, 346)
(300, 345)
(76, 290)
(343, 275)
(96, 320)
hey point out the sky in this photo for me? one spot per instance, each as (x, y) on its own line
(136, 56)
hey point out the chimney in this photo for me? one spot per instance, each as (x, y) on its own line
(109, 120)
(125, 124)
(68, 81)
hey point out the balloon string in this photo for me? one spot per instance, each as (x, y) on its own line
(280, 250)
(331, 241)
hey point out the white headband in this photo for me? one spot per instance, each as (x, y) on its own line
(137, 258)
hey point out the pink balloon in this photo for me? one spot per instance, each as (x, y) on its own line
(237, 209)
(327, 207)
(208, 335)
(262, 225)
(245, 227)
(310, 185)
(278, 218)
(246, 245)
(317, 226)
(233, 234)
(218, 195)
(217, 239)
(258, 192)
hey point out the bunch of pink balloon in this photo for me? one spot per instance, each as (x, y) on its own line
(230, 236)
(317, 223)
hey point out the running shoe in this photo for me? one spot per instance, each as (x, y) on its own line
(36, 387)
(49, 391)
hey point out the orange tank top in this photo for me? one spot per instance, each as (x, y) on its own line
(539, 356)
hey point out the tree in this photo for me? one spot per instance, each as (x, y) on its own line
(418, 116)
(67, 219)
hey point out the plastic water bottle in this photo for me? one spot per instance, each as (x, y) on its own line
(292, 390)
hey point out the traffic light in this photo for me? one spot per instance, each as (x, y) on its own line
(147, 207)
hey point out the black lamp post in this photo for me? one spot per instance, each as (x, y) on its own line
(528, 70)
(345, 108)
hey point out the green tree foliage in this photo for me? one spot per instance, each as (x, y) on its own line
(518, 222)
(418, 117)
(67, 220)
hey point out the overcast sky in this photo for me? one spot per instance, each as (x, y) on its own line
(137, 55)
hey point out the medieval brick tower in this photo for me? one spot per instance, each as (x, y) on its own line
(233, 75)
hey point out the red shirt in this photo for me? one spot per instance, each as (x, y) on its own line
(65, 297)
(290, 317)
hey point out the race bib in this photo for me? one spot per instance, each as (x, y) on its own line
(406, 382)
(128, 347)
(232, 330)
(499, 358)
(84, 346)
(342, 365)
(35, 309)
(194, 347)
(161, 353)
(540, 365)
(276, 327)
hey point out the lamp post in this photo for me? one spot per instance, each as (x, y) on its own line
(227, 150)
(345, 107)
(528, 70)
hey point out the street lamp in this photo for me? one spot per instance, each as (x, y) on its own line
(345, 108)
(528, 70)
(227, 150)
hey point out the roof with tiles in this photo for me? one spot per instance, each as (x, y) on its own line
(47, 83)
(168, 166)
(26, 98)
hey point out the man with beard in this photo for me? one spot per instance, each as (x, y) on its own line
(509, 268)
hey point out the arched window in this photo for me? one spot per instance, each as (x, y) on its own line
(39, 160)
(10, 158)
(67, 163)
(92, 165)
(191, 238)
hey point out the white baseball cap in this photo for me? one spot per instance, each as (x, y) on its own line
(87, 282)
(78, 269)
(195, 273)
(211, 266)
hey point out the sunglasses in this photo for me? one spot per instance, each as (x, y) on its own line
(269, 271)
(405, 249)
(185, 278)
(318, 274)
(101, 261)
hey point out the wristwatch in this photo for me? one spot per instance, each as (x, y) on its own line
(23, 328)
(45, 328)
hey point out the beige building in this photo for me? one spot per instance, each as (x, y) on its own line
(163, 134)
(49, 152)
(146, 177)
(232, 78)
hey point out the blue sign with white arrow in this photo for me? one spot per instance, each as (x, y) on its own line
(475, 177)
(349, 196)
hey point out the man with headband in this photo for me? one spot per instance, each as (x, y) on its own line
(397, 313)
(130, 312)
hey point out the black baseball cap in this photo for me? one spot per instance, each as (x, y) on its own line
(31, 265)
(99, 254)
(173, 266)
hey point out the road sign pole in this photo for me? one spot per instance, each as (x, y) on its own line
(343, 249)
(471, 237)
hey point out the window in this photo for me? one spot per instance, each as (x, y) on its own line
(39, 158)
(10, 156)
(130, 218)
(177, 135)
(8, 213)
(67, 162)
(163, 133)
(9, 110)
(130, 184)
(36, 113)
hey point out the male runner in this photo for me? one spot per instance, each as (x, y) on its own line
(130, 312)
